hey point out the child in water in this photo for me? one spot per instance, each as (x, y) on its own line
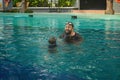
(52, 45)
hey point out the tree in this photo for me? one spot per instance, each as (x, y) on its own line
(109, 9)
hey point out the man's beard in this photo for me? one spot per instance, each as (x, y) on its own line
(68, 32)
(67, 36)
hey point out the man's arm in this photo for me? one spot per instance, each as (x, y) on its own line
(78, 37)
(62, 36)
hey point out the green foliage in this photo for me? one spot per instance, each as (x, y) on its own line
(11, 11)
(44, 3)
(66, 3)
(28, 11)
(17, 11)
(38, 3)
(15, 1)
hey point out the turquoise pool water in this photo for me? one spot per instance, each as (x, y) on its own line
(24, 48)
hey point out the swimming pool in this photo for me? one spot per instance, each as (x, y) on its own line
(24, 47)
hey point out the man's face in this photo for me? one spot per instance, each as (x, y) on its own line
(68, 29)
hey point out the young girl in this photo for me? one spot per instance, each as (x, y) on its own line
(52, 45)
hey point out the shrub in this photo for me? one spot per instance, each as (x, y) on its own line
(28, 11)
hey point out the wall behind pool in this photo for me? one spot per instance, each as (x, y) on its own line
(116, 6)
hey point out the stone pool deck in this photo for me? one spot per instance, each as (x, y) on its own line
(89, 11)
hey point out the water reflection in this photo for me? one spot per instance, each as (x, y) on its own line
(113, 34)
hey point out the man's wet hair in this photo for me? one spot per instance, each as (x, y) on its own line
(70, 23)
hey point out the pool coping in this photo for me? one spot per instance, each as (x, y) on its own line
(79, 15)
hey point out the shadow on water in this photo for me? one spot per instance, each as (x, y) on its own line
(11, 70)
(68, 76)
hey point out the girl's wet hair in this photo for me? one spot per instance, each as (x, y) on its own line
(52, 40)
